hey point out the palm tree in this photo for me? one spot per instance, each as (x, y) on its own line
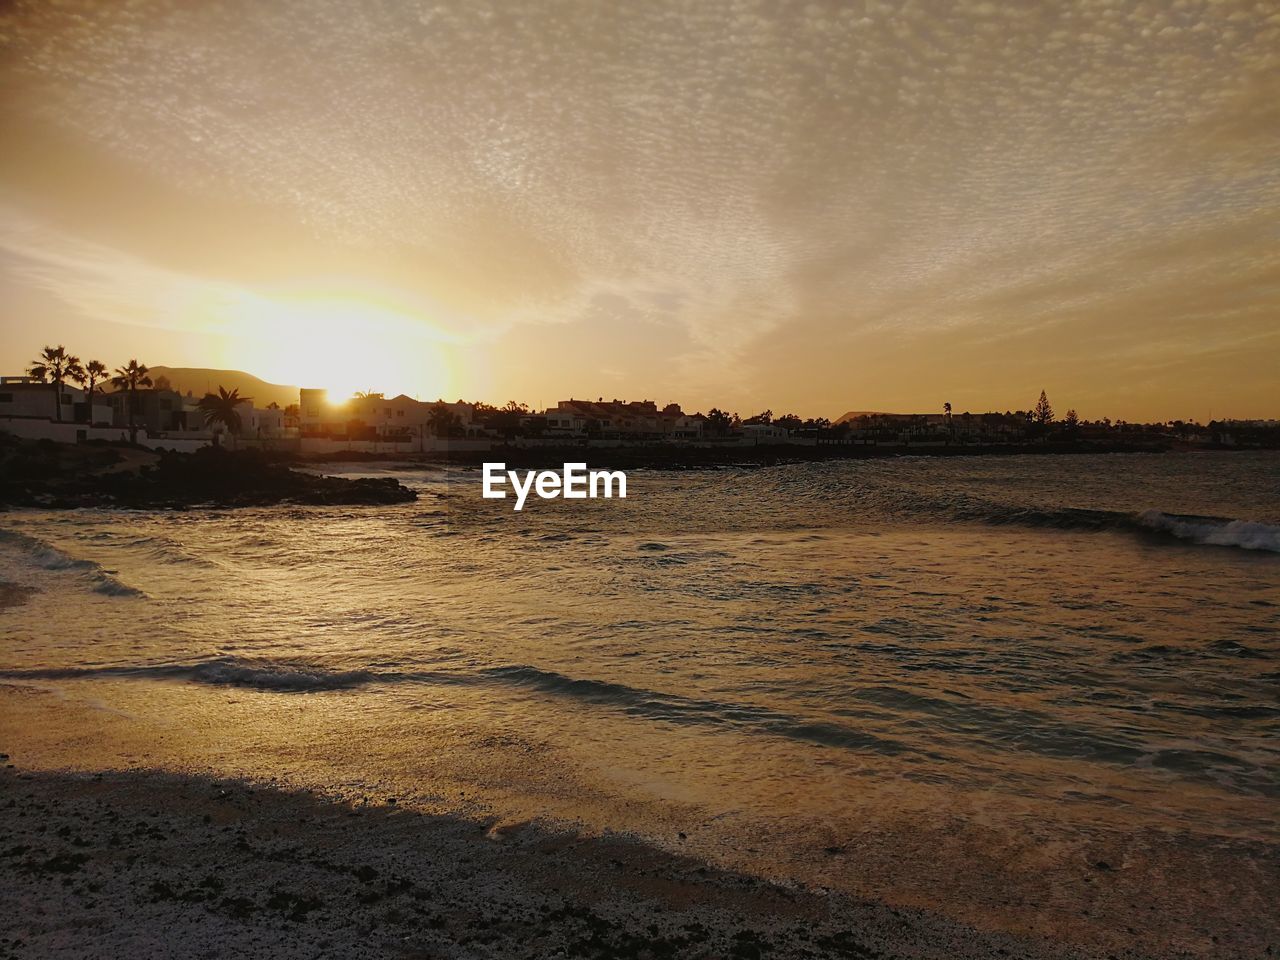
(441, 419)
(93, 373)
(130, 378)
(220, 408)
(56, 365)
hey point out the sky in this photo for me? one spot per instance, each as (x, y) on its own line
(803, 206)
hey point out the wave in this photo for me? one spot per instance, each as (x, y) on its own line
(1207, 531)
(633, 701)
(1214, 531)
(220, 671)
(1008, 730)
(45, 556)
(42, 554)
(109, 586)
(673, 708)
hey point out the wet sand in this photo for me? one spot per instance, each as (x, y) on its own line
(146, 864)
(123, 841)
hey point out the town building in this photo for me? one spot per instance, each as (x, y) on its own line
(37, 409)
(373, 416)
(764, 433)
(630, 420)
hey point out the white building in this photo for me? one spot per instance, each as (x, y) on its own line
(28, 397)
(37, 410)
(258, 423)
(164, 418)
(687, 427)
(764, 433)
(564, 421)
(360, 416)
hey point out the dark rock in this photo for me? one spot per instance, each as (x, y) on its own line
(209, 477)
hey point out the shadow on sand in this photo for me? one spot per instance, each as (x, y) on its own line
(150, 864)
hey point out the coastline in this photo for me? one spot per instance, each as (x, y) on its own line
(68, 476)
(127, 834)
(135, 863)
(873, 851)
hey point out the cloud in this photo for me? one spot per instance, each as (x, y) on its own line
(754, 175)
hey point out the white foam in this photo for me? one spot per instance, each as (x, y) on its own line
(1246, 534)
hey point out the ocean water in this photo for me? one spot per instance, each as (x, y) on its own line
(935, 681)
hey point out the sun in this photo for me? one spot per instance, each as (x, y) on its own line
(342, 344)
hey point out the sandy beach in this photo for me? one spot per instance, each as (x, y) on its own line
(146, 864)
(149, 856)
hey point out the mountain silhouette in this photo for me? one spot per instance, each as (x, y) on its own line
(201, 380)
(859, 413)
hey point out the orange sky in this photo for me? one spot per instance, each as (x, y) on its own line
(812, 207)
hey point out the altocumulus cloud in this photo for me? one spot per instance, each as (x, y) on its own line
(743, 179)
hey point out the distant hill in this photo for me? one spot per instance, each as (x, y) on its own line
(201, 381)
(859, 413)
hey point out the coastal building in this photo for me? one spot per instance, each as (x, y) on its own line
(566, 422)
(629, 420)
(158, 411)
(688, 427)
(30, 408)
(261, 423)
(29, 397)
(36, 409)
(764, 433)
(374, 416)
(935, 427)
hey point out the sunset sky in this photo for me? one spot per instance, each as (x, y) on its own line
(811, 207)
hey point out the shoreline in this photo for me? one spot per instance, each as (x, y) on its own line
(70, 476)
(134, 862)
(104, 802)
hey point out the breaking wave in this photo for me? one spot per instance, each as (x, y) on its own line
(45, 556)
(1208, 531)
(1213, 531)
(647, 704)
(220, 671)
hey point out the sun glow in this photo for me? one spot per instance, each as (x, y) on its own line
(342, 344)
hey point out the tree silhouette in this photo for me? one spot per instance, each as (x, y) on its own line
(441, 420)
(56, 365)
(1071, 422)
(1043, 413)
(220, 408)
(131, 377)
(93, 373)
(718, 422)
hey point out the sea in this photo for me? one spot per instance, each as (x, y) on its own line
(938, 682)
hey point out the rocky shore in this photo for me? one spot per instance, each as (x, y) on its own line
(148, 864)
(62, 476)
